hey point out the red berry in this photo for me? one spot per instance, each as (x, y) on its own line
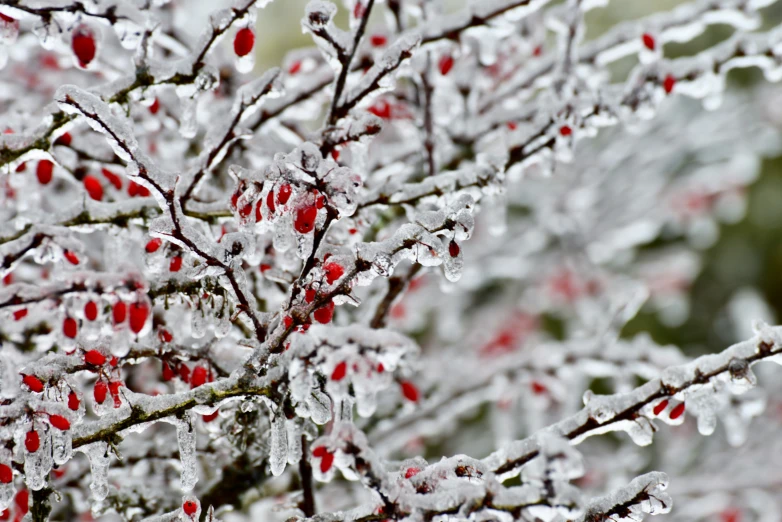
(189, 507)
(324, 314)
(538, 388)
(153, 245)
(175, 265)
(138, 316)
(59, 422)
(319, 451)
(453, 248)
(410, 391)
(114, 387)
(34, 383)
(20, 314)
(258, 213)
(305, 219)
(6, 474)
(244, 41)
(168, 373)
(211, 416)
(70, 327)
(660, 407)
(668, 84)
(95, 358)
(93, 187)
(381, 109)
(335, 154)
(71, 257)
(32, 441)
(339, 371)
(446, 64)
(565, 130)
(100, 391)
(83, 45)
(165, 336)
(284, 194)
(294, 68)
(648, 41)
(91, 310)
(320, 201)
(326, 461)
(44, 171)
(245, 210)
(198, 377)
(7, 19)
(411, 472)
(333, 272)
(377, 40)
(309, 295)
(73, 401)
(380, 368)
(287, 321)
(113, 362)
(64, 140)
(511, 125)
(677, 411)
(113, 178)
(154, 107)
(270, 201)
(184, 373)
(119, 311)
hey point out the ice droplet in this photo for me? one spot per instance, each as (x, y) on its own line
(320, 407)
(62, 448)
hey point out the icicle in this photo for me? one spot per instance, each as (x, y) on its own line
(320, 406)
(278, 451)
(186, 437)
(98, 454)
(62, 449)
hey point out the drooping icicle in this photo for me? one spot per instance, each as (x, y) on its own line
(186, 437)
(278, 452)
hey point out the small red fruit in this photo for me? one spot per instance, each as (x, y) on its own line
(6, 474)
(73, 401)
(565, 130)
(95, 358)
(309, 295)
(138, 316)
(153, 245)
(411, 472)
(34, 383)
(190, 508)
(453, 248)
(660, 406)
(333, 272)
(677, 412)
(93, 187)
(175, 265)
(44, 171)
(64, 140)
(446, 64)
(244, 41)
(284, 194)
(294, 68)
(410, 391)
(319, 451)
(168, 373)
(91, 310)
(648, 41)
(211, 416)
(198, 377)
(83, 45)
(113, 178)
(20, 314)
(378, 40)
(119, 311)
(100, 391)
(70, 327)
(538, 388)
(324, 314)
(305, 219)
(32, 441)
(59, 422)
(184, 372)
(165, 336)
(668, 84)
(339, 371)
(71, 257)
(326, 461)
(258, 213)
(154, 107)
